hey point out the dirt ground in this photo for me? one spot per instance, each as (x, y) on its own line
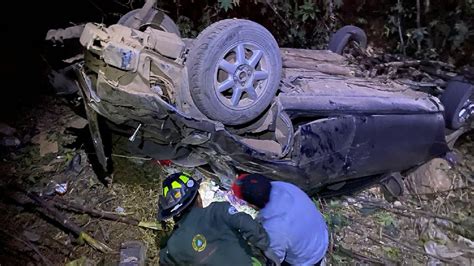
(417, 229)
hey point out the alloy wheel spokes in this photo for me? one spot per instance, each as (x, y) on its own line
(255, 59)
(240, 54)
(251, 92)
(236, 95)
(227, 66)
(260, 75)
(227, 84)
(242, 75)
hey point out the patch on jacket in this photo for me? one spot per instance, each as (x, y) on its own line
(199, 243)
(232, 210)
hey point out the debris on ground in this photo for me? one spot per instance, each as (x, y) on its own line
(10, 141)
(132, 253)
(46, 146)
(427, 226)
(77, 122)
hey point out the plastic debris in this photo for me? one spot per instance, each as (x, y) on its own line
(132, 253)
(10, 141)
(120, 210)
(61, 189)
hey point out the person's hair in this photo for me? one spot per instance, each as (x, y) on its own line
(254, 189)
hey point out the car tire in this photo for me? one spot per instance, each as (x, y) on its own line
(157, 20)
(454, 98)
(340, 39)
(234, 70)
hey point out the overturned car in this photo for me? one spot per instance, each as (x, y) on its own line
(228, 100)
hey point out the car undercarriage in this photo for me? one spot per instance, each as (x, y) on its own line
(236, 104)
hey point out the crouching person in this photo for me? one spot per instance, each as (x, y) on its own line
(298, 232)
(215, 235)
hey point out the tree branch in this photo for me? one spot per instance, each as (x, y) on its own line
(418, 24)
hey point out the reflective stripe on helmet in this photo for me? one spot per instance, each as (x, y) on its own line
(184, 178)
(165, 191)
(175, 185)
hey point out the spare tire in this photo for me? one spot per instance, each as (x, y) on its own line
(234, 70)
(155, 19)
(341, 38)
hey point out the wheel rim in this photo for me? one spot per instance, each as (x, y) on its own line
(241, 75)
(466, 111)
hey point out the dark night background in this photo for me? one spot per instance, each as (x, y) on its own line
(24, 25)
(22, 67)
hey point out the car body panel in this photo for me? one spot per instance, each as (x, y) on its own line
(320, 129)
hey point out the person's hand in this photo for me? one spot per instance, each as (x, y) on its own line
(272, 259)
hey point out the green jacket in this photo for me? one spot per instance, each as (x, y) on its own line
(215, 235)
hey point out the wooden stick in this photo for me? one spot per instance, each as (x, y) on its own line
(360, 257)
(400, 33)
(426, 213)
(60, 203)
(409, 63)
(54, 214)
(418, 24)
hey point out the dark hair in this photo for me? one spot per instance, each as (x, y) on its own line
(255, 189)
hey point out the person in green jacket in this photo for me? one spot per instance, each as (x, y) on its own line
(215, 235)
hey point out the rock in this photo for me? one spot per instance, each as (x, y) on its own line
(46, 146)
(430, 178)
(6, 129)
(440, 250)
(10, 141)
(77, 122)
(466, 242)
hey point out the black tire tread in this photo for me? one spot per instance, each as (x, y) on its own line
(167, 23)
(341, 38)
(454, 96)
(196, 54)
